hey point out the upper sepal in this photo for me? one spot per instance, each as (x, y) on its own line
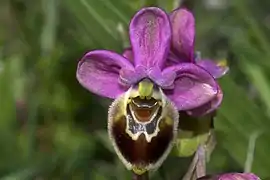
(150, 36)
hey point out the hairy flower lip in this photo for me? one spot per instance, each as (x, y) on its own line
(144, 151)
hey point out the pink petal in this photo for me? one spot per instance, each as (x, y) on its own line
(150, 35)
(183, 33)
(99, 71)
(213, 68)
(193, 86)
(208, 107)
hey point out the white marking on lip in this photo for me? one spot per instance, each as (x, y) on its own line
(142, 126)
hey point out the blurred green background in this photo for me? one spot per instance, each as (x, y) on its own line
(51, 128)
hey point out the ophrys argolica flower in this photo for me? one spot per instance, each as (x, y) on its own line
(148, 91)
(196, 124)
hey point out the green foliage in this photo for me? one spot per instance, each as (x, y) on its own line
(52, 128)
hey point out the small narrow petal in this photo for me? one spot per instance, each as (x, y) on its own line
(183, 33)
(208, 107)
(214, 68)
(193, 86)
(150, 36)
(99, 72)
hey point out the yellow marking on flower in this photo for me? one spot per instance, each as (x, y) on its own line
(168, 121)
(223, 63)
(146, 88)
(117, 116)
(138, 170)
(165, 122)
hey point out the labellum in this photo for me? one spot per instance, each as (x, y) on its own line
(142, 125)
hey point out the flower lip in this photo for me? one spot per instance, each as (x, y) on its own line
(139, 144)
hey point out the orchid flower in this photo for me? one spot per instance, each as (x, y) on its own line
(182, 51)
(231, 176)
(147, 92)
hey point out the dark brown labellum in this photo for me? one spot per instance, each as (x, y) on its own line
(142, 131)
